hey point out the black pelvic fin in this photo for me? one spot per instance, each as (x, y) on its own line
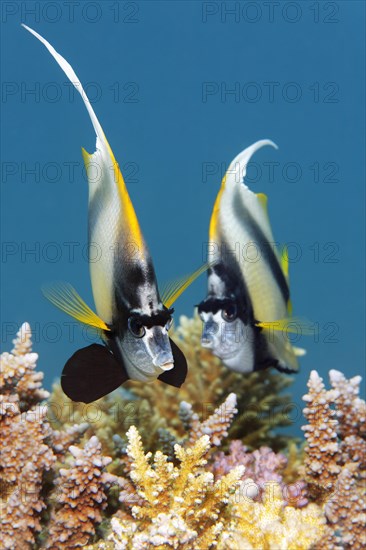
(177, 375)
(271, 362)
(285, 370)
(91, 373)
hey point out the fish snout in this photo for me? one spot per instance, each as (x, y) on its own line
(208, 334)
(160, 350)
(164, 360)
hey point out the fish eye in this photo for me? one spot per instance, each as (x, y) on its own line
(136, 328)
(229, 313)
(169, 324)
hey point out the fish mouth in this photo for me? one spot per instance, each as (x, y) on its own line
(163, 360)
(208, 344)
(168, 365)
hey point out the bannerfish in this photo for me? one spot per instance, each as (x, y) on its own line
(132, 319)
(247, 312)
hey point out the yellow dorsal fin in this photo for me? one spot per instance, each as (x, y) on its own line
(129, 211)
(126, 202)
(289, 324)
(86, 157)
(285, 261)
(65, 297)
(171, 291)
(263, 199)
(215, 213)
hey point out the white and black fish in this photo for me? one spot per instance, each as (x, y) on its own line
(132, 317)
(247, 311)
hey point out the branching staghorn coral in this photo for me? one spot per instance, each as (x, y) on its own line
(335, 457)
(25, 455)
(180, 506)
(346, 509)
(18, 370)
(270, 524)
(31, 453)
(186, 507)
(80, 497)
(58, 489)
(322, 450)
(61, 440)
(351, 415)
(24, 459)
(216, 425)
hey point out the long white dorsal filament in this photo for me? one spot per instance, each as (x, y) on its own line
(71, 75)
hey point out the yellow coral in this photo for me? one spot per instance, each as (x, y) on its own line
(270, 524)
(180, 505)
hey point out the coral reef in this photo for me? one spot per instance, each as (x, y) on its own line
(262, 468)
(31, 454)
(335, 456)
(276, 525)
(25, 456)
(154, 408)
(79, 497)
(322, 450)
(215, 426)
(179, 506)
(186, 507)
(198, 486)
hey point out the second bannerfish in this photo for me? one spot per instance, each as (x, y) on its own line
(247, 311)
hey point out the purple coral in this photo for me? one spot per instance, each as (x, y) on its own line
(262, 467)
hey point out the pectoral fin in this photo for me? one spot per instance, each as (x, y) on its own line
(294, 325)
(65, 297)
(171, 291)
(177, 375)
(92, 373)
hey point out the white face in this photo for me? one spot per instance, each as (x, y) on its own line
(146, 351)
(228, 338)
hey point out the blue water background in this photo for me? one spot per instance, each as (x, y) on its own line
(159, 73)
